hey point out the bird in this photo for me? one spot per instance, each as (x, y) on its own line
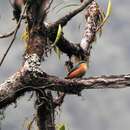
(78, 71)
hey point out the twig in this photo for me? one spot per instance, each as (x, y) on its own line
(31, 123)
(7, 35)
(37, 89)
(49, 5)
(59, 100)
(60, 3)
(65, 19)
(11, 3)
(15, 33)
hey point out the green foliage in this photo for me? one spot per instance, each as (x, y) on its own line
(56, 49)
(109, 9)
(58, 36)
(60, 126)
(103, 18)
(25, 36)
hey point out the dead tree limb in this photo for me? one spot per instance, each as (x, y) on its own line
(7, 35)
(19, 85)
(65, 19)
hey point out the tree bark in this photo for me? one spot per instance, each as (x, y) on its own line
(45, 112)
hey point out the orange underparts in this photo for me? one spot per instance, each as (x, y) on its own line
(78, 72)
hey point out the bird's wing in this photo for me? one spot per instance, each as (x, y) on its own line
(73, 69)
(75, 73)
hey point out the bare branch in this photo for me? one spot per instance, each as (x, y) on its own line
(49, 5)
(15, 33)
(18, 84)
(102, 82)
(65, 19)
(7, 35)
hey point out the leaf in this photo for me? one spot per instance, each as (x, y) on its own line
(58, 52)
(25, 37)
(59, 33)
(102, 14)
(100, 20)
(56, 49)
(60, 126)
(109, 9)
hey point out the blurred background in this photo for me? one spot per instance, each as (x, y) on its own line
(107, 109)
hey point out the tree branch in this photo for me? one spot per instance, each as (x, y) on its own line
(102, 82)
(19, 85)
(45, 112)
(7, 35)
(65, 45)
(83, 49)
(65, 19)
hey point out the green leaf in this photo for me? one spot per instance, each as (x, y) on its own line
(56, 49)
(58, 36)
(109, 9)
(102, 14)
(60, 127)
(58, 52)
(25, 37)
